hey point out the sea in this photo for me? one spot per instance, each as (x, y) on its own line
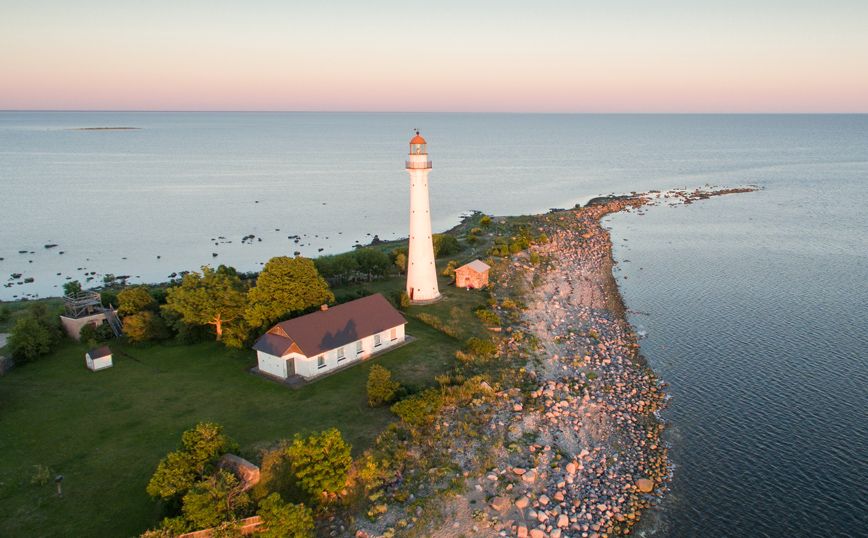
(752, 307)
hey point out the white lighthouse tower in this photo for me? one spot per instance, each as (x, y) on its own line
(421, 272)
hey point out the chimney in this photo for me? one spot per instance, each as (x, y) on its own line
(324, 307)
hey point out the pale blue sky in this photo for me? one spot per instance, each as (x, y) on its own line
(548, 56)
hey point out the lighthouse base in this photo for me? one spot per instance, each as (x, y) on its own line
(426, 301)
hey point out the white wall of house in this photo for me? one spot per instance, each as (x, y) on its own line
(271, 365)
(309, 367)
(98, 364)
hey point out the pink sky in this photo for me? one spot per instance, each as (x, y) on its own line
(551, 56)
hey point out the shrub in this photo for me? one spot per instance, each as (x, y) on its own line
(214, 500)
(450, 269)
(483, 348)
(508, 304)
(400, 298)
(487, 316)
(476, 231)
(472, 239)
(419, 409)
(30, 339)
(321, 463)
(145, 326)
(284, 520)
(485, 221)
(381, 388)
(543, 238)
(5, 313)
(445, 245)
(40, 476)
(534, 258)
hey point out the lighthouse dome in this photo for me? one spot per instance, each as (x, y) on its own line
(418, 140)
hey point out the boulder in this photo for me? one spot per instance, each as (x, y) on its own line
(645, 485)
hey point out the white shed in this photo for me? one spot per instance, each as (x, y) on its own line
(99, 359)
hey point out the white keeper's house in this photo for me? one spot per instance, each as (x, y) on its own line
(319, 343)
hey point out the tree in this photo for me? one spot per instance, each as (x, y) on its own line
(201, 447)
(284, 520)
(212, 298)
(135, 299)
(401, 262)
(285, 285)
(372, 261)
(215, 499)
(321, 463)
(381, 388)
(145, 326)
(445, 244)
(72, 287)
(31, 337)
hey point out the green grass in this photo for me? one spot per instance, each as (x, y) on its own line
(106, 431)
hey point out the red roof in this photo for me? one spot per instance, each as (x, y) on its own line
(338, 326)
(418, 140)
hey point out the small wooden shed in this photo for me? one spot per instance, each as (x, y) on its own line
(99, 359)
(473, 275)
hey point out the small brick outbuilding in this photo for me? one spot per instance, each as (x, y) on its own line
(473, 275)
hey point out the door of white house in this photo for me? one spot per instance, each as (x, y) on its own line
(290, 367)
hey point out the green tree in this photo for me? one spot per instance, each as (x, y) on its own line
(321, 463)
(215, 499)
(145, 326)
(445, 244)
(373, 261)
(201, 447)
(381, 388)
(212, 298)
(284, 520)
(286, 285)
(401, 262)
(71, 287)
(134, 299)
(30, 338)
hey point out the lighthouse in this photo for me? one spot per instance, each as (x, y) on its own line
(421, 272)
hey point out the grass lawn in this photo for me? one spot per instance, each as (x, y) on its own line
(106, 431)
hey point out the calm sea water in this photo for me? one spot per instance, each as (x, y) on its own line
(755, 305)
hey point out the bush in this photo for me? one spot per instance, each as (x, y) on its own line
(71, 287)
(472, 239)
(445, 245)
(485, 221)
(476, 231)
(400, 298)
(487, 316)
(5, 314)
(450, 269)
(30, 339)
(381, 388)
(483, 348)
(145, 326)
(321, 463)
(40, 476)
(284, 520)
(419, 409)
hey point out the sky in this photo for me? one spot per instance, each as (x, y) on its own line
(607, 56)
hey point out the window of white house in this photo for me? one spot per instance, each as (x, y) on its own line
(341, 355)
(320, 361)
(376, 340)
(393, 334)
(358, 347)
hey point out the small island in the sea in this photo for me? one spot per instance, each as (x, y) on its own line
(103, 128)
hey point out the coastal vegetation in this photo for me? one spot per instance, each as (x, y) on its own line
(382, 448)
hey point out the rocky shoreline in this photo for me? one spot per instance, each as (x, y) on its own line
(596, 401)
